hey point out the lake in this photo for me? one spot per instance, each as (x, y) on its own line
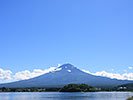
(65, 96)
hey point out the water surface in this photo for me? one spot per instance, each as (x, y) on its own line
(65, 96)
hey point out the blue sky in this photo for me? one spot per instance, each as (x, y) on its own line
(94, 35)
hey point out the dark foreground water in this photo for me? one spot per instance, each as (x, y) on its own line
(65, 96)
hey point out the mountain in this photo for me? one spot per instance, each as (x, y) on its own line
(63, 75)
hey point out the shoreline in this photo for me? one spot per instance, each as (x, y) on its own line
(75, 92)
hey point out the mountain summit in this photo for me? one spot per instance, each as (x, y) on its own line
(67, 67)
(63, 75)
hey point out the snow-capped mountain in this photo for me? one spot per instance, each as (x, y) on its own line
(64, 75)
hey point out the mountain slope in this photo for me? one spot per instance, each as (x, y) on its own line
(64, 75)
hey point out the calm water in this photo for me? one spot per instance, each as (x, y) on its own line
(66, 96)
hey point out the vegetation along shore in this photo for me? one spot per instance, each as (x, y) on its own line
(131, 98)
(70, 88)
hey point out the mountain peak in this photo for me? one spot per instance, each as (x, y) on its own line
(66, 66)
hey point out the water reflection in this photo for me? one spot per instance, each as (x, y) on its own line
(66, 96)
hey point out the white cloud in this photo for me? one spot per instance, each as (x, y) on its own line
(86, 71)
(125, 76)
(37, 72)
(130, 67)
(27, 74)
(5, 75)
(59, 65)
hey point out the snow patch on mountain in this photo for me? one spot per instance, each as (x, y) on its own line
(69, 71)
(57, 69)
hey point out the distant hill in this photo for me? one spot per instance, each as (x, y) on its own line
(77, 88)
(64, 75)
(127, 87)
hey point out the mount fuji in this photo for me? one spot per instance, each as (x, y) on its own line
(63, 75)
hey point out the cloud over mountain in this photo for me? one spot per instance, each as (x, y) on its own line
(27, 74)
(7, 75)
(125, 76)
